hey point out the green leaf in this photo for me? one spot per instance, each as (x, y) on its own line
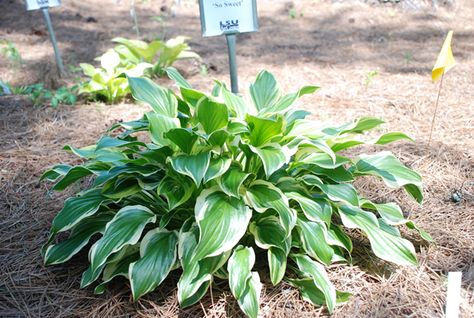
(212, 115)
(276, 264)
(109, 142)
(235, 103)
(121, 187)
(222, 221)
(80, 236)
(263, 130)
(55, 172)
(312, 294)
(287, 101)
(124, 229)
(360, 125)
(273, 157)
(385, 245)
(244, 284)
(320, 278)
(177, 77)
(232, 181)
(191, 96)
(197, 275)
(158, 250)
(268, 232)
(264, 91)
(217, 167)
(322, 160)
(336, 192)
(162, 100)
(386, 166)
(72, 176)
(159, 125)
(262, 195)
(391, 213)
(218, 138)
(76, 209)
(314, 238)
(317, 210)
(391, 137)
(193, 166)
(176, 190)
(183, 138)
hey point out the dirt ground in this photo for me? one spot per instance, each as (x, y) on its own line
(334, 44)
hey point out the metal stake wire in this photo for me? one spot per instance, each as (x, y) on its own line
(231, 45)
(59, 61)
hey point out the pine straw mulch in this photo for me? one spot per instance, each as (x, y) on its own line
(337, 54)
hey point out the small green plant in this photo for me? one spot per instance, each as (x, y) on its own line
(40, 95)
(370, 77)
(220, 180)
(408, 57)
(161, 54)
(109, 82)
(9, 51)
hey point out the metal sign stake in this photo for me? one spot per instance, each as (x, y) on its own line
(234, 81)
(59, 61)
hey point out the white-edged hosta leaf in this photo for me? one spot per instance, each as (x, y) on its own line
(276, 264)
(222, 221)
(159, 125)
(390, 212)
(356, 127)
(218, 138)
(124, 229)
(265, 91)
(315, 209)
(197, 275)
(337, 237)
(262, 195)
(55, 172)
(176, 189)
(312, 294)
(320, 278)
(314, 239)
(386, 166)
(344, 192)
(217, 167)
(389, 247)
(235, 102)
(306, 147)
(191, 96)
(118, 266)
(231, 181)
(158, 250)
(212, 115)
(183, 138)
(391, 137)
(244, 284)
(286, 101)
(322, 160)
(273, 157)
(80, 236)
(193, 166)
(177, 77)
(268, 232)
(76, 209)
(73, 175)
(263, 130)
(110, 142)
(162, 100)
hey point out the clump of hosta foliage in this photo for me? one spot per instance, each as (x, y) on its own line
(159, 54)
(215, 180)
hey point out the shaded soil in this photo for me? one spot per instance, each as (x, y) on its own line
(334, 44)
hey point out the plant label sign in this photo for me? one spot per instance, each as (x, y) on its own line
(220, 17)
(41, 4)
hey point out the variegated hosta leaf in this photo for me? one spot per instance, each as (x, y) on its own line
(212, 115)
(320, 278)
(244, 284)
(193, 166)
(263, 130)
(158, 252)
(222, 221)
(273, 157)
(124, 229)
(217, 167)
(386, 166)
(337, 192)
(80, 236)
(162, 100)
(317, 210)
(265, 91)
(314, 236)
(384, 244)
(231, 181)
(262, 195)
(176, 189)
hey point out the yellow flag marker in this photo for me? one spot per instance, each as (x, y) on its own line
(443, 64)
(445, 60)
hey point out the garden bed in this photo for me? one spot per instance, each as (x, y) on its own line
(334, 45)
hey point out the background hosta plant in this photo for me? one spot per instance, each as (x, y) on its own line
(160, 54)
(215, 180)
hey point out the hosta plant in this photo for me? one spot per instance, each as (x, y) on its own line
(109, 81)
(203, 184)
(161, 54)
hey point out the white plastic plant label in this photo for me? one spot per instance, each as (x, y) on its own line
(220, 17)
(41, 4)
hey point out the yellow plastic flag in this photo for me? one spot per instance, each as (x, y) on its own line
(445, 60)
